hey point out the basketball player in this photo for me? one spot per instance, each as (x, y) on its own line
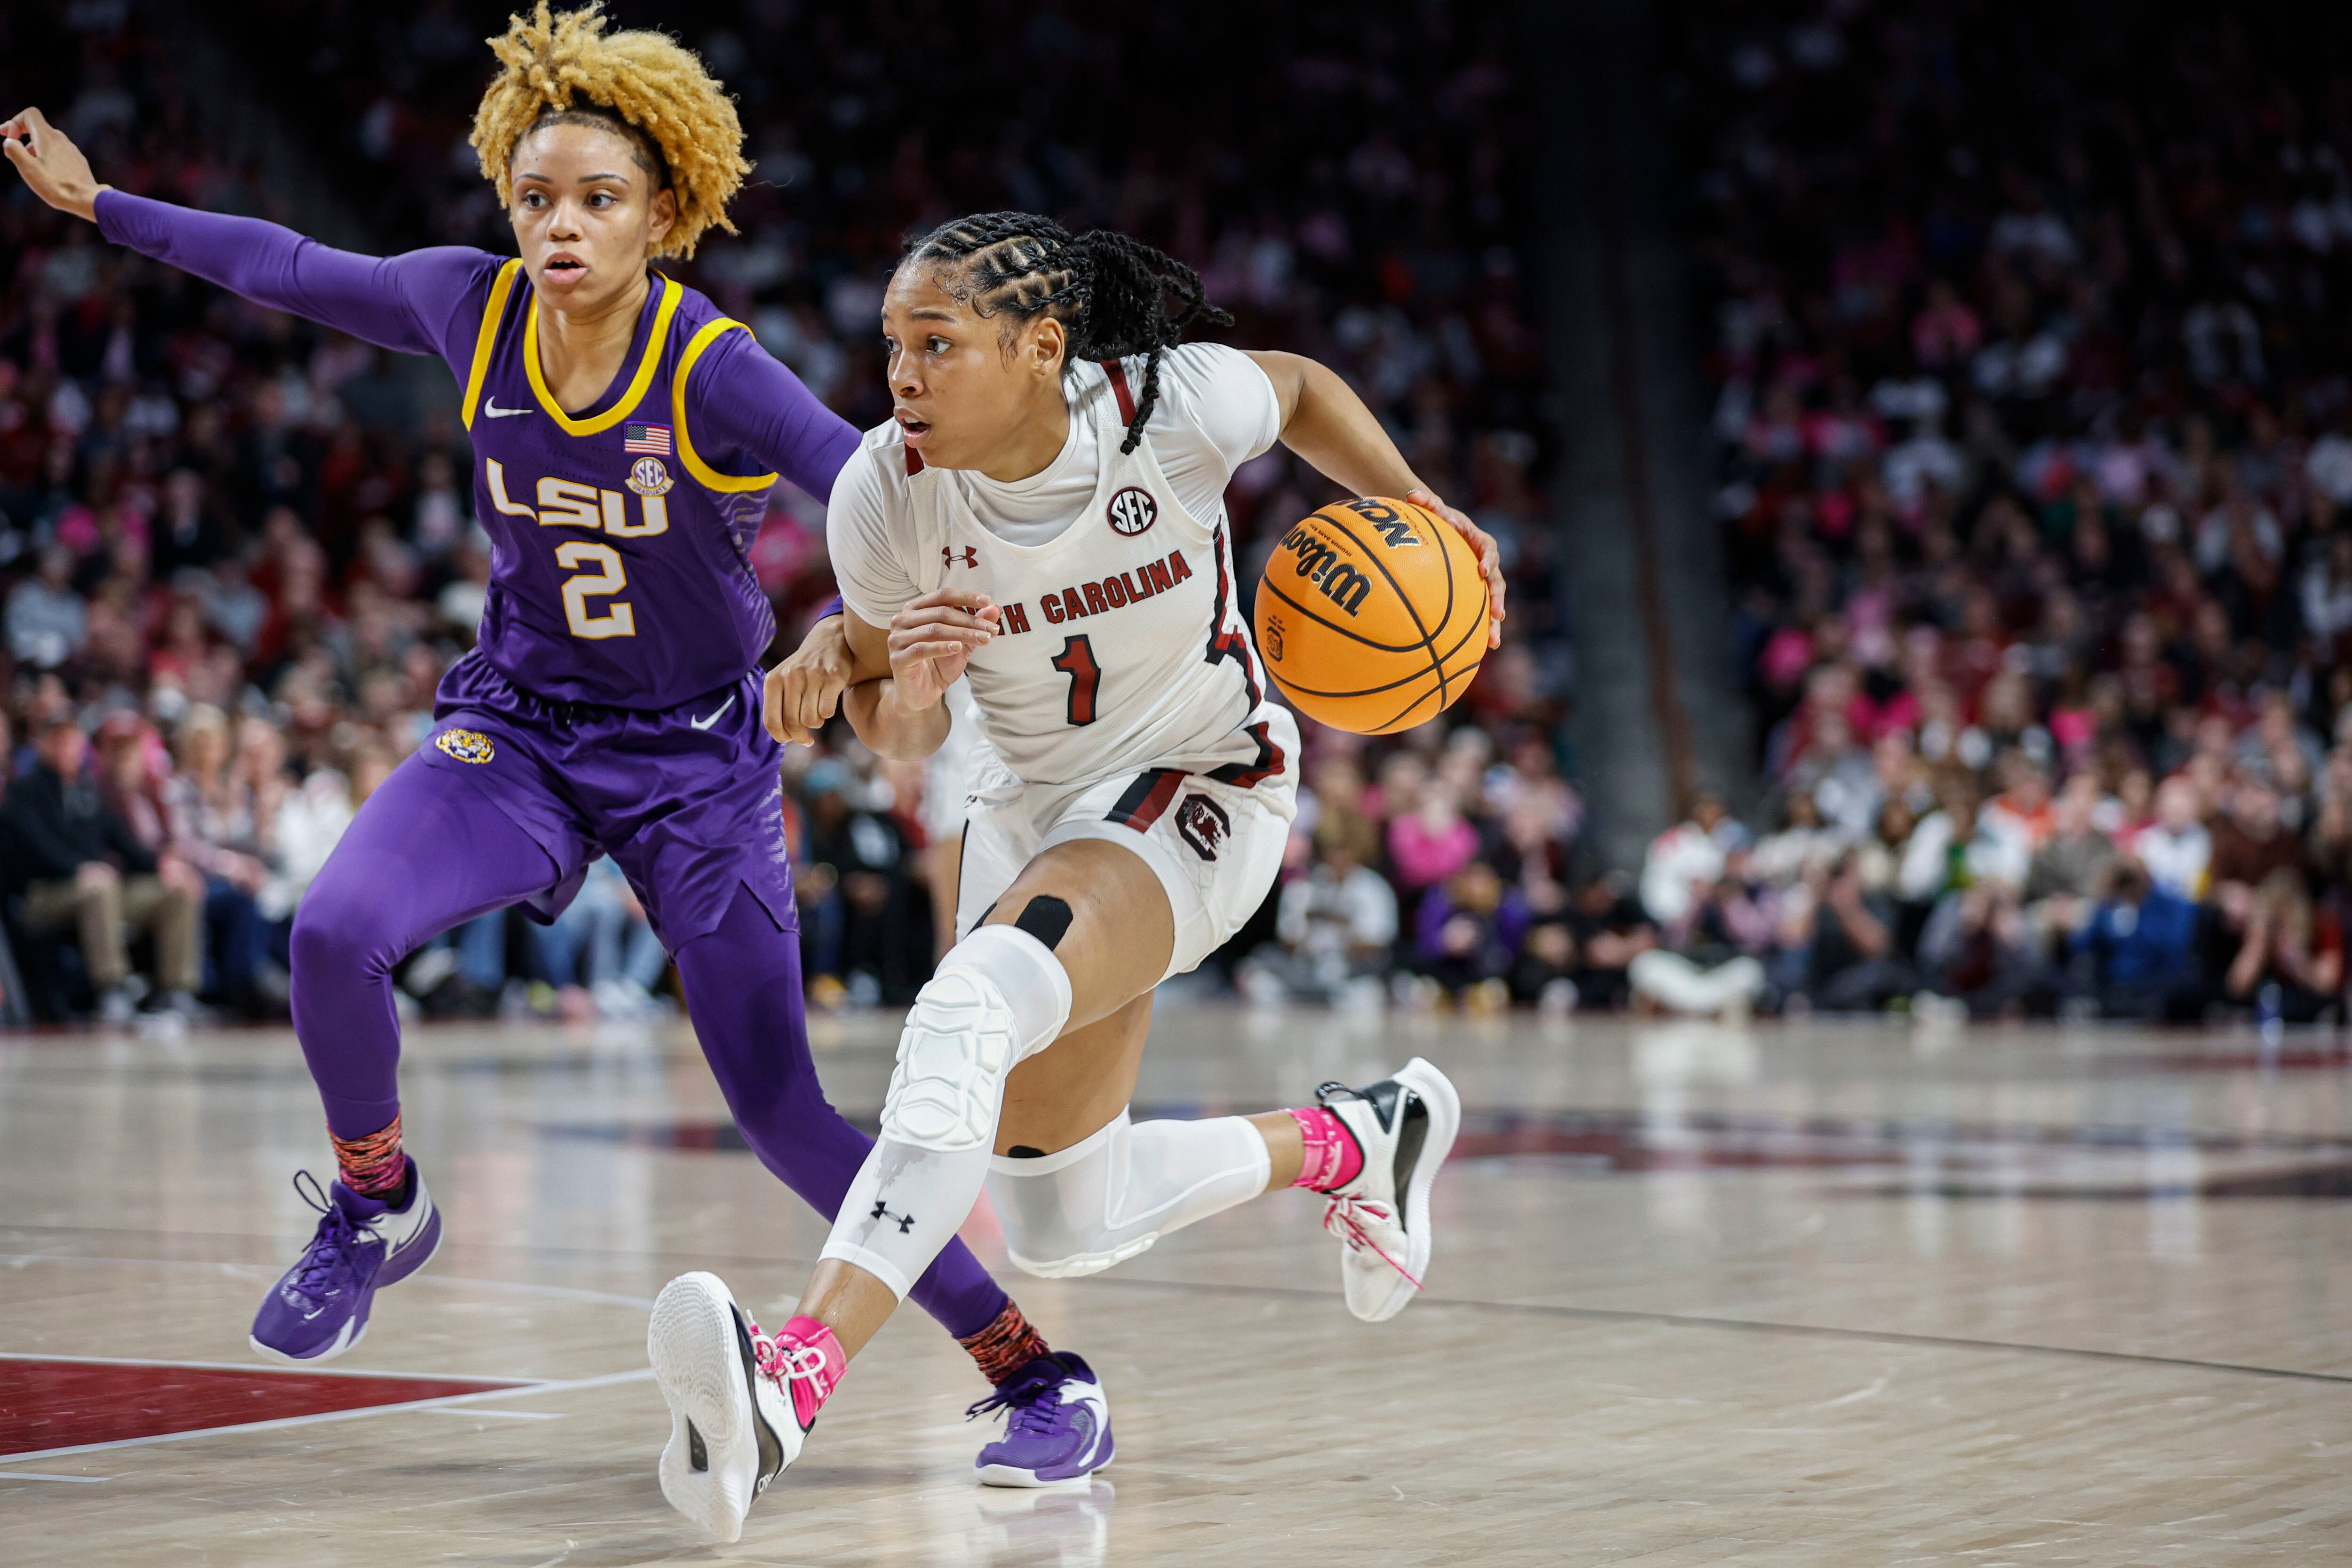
(625, 435)
(1042, 514)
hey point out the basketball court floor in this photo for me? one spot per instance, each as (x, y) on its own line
(1818, 1294)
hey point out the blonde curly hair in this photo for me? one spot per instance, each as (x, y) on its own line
(651, 83)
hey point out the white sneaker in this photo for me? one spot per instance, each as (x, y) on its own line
(1404, 1127)
(732, 1424)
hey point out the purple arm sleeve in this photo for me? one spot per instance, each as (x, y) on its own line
(741, 401)
(830, 608)
(405, 303)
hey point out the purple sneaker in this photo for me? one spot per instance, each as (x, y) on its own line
(318, 1308)
(1059, 1428)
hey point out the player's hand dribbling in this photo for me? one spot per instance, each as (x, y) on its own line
(933, 639)
(1490, 556)
(51, 163)
(803, 691)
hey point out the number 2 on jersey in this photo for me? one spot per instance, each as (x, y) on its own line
(575, 555)
(1077, 661)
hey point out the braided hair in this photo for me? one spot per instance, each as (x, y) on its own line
(1109, 291)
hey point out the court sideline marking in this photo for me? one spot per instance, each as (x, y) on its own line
(568, 1385)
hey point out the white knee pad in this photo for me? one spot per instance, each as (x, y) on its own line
(1000, 997)
(1110, 1197)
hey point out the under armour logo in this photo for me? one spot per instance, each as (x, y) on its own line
(905, 1221)
(970, 556)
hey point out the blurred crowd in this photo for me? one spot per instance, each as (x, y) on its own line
(2033, 398)
(236, 553)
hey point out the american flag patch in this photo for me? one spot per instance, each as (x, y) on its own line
(653, 439)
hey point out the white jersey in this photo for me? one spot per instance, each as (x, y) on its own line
(1124, 645)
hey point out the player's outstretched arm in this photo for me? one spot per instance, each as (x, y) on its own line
(929, 642)
(52, 165)
(1325, 423)
(368, 297)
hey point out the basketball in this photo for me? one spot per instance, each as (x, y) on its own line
(1372, 615)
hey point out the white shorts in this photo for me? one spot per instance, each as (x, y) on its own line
(1216, 847)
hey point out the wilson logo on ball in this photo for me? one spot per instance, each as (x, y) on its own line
(1321, 564)
(1132, 511)
(1395, 529)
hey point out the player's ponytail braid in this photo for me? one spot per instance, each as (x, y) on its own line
(1127, 312)
(1109, 290)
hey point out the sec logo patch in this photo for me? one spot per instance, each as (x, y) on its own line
(649, 477)
(466, 746)
(1132, 511)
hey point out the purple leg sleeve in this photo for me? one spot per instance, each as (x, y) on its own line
(743, 990)
(425, 852)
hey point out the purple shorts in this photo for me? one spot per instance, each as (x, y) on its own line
(688, 802)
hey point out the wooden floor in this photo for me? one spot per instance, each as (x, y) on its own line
(1817, 1294)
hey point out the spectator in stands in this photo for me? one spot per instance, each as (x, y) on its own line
(47, 621)
(1432, 841)
(1684, 861)
(1710, 960)
(1955, 846)
(1466, 935)
(871, 951)
(2249, 846)
(1608, 929)
(71, 864)
(2071, 869)
(211, 812)
(1780, 859)
(1851, 959)
(1337, 926)
(2176, 848)
(2290, 963)
(2141, 944)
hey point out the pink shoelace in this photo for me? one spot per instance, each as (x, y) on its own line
(798, 1370)
(1346, 1217)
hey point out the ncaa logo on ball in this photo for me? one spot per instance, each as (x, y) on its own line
(466, 746)
(1132, 511)
(1203, 823)
(649, 477)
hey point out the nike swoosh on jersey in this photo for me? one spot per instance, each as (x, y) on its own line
(706, 723)
(492, 409)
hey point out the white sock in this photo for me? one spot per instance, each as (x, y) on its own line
(1110, 1197)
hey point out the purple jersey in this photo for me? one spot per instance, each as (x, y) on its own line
(620, 570)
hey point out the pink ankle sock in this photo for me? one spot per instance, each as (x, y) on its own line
(814, 1349)
(1332, 1158)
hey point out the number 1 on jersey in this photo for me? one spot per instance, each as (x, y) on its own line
(1077, 661)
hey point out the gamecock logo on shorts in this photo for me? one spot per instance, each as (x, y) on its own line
(1203, 823)
(1132, 511)
(466, 746)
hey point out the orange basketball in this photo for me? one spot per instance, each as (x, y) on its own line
(1372, 615)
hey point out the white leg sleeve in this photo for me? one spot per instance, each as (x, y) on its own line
(1104, 1199)
(1000, 997)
